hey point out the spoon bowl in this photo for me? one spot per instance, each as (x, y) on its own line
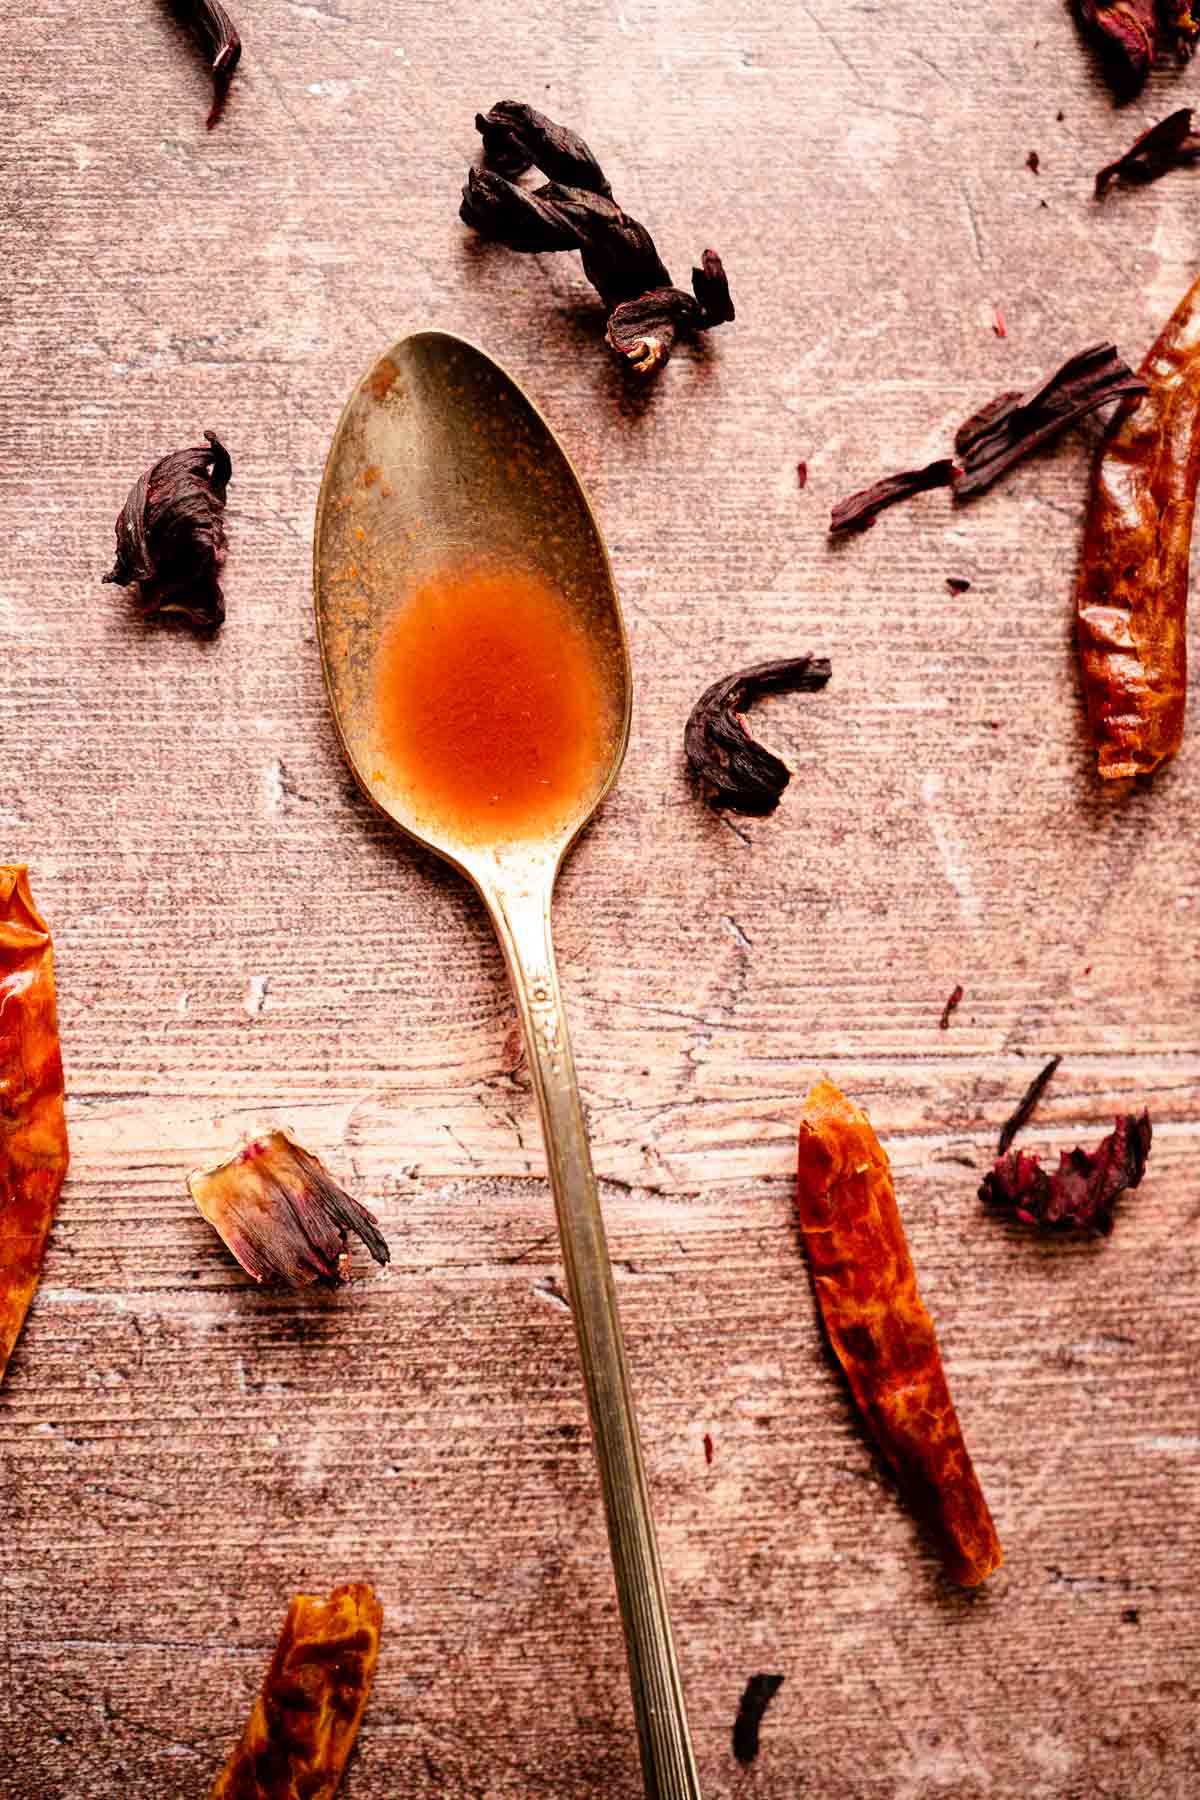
(442, 473)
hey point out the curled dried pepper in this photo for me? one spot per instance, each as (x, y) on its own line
(880, 1331)
(1131, 600)
(311, 1704)
(33, 1130)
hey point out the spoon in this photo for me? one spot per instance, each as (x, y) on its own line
(441, 465)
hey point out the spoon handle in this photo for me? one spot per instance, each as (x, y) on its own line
(522, 921)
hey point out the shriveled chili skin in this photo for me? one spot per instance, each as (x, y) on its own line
(33, 1130)
(880, 1331)
(307, 1715)
(1131, 599)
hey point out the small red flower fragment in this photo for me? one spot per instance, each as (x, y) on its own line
(958, 584)
(1130, 35)
(1081, 1194)
(998, 325)
(283, 1216)
(1033, 162)
(217, 36)
(708, 1447)
(802, 475)
(951, 1006)
(1171, 144)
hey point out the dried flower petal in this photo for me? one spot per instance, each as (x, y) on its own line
(759, 1693)
(958, 584)
(860, 510)
(1024, 1108)
(516, 138)
(305, 1719)
(217, 36)
(1131, 34)
(734, 770)
(1081, 1194)
(575, 210)
(1171, 144)
(1012, 425)
(282, 1215)
(171, 534)
(953, 1002)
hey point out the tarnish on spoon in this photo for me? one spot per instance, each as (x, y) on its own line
(440, 465)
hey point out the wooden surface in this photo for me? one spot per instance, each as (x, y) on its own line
(240, 941)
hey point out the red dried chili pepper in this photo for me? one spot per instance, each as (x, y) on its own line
(1131, 601)
(313, 1696)
(33, 1131)
(881, 1332)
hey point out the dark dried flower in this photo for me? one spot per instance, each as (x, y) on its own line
(802, 475)
(958, 584)
(282, 1215)
(859, 510)
(1012, 425)
(733, 769)
(1081, 1194)
(217, 36)
(760, 1691)
(575, 210)
(1131, 34)
(171, 534)
(516, 138)
(1171, 144)
(1023, 1110)
(1033, 162)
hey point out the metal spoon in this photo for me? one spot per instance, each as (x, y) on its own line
(439, 456)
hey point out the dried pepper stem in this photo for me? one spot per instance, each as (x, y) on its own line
(880, 1331)
(313, 1696)
(33, 1130)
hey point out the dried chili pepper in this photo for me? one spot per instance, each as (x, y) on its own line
(307, 1715)
(217, 36)
(33, 1130)
(1084, 1189)
(1131, 35)
(1132, 594)
(282, 1215)
(575, 210)
(880, 1331)
(857, 511)
(733, 769)
(171, 534)
(759, 1692)
(1171, 144)
(1023, 1110)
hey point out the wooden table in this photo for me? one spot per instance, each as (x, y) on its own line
(240, 940)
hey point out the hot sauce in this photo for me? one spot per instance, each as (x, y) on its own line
(489, 707)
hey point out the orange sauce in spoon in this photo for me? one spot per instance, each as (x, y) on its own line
(490, 711)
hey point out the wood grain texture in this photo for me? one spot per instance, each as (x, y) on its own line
(240, 942)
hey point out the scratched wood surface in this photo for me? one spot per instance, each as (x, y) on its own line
(240, 941)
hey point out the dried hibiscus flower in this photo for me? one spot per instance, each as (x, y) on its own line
(1171, 144)
(758, 1694)
(1002, 433)
(217, 36)
(575, 210)
(1082, 1192)
(1131, 34)
(733, 769)
(306, 1717)
(282, 1215)
(171, 534)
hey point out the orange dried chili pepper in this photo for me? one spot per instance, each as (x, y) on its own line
(881, 1332)
(33, 1129)
(307, 1715)
(1131, 600)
